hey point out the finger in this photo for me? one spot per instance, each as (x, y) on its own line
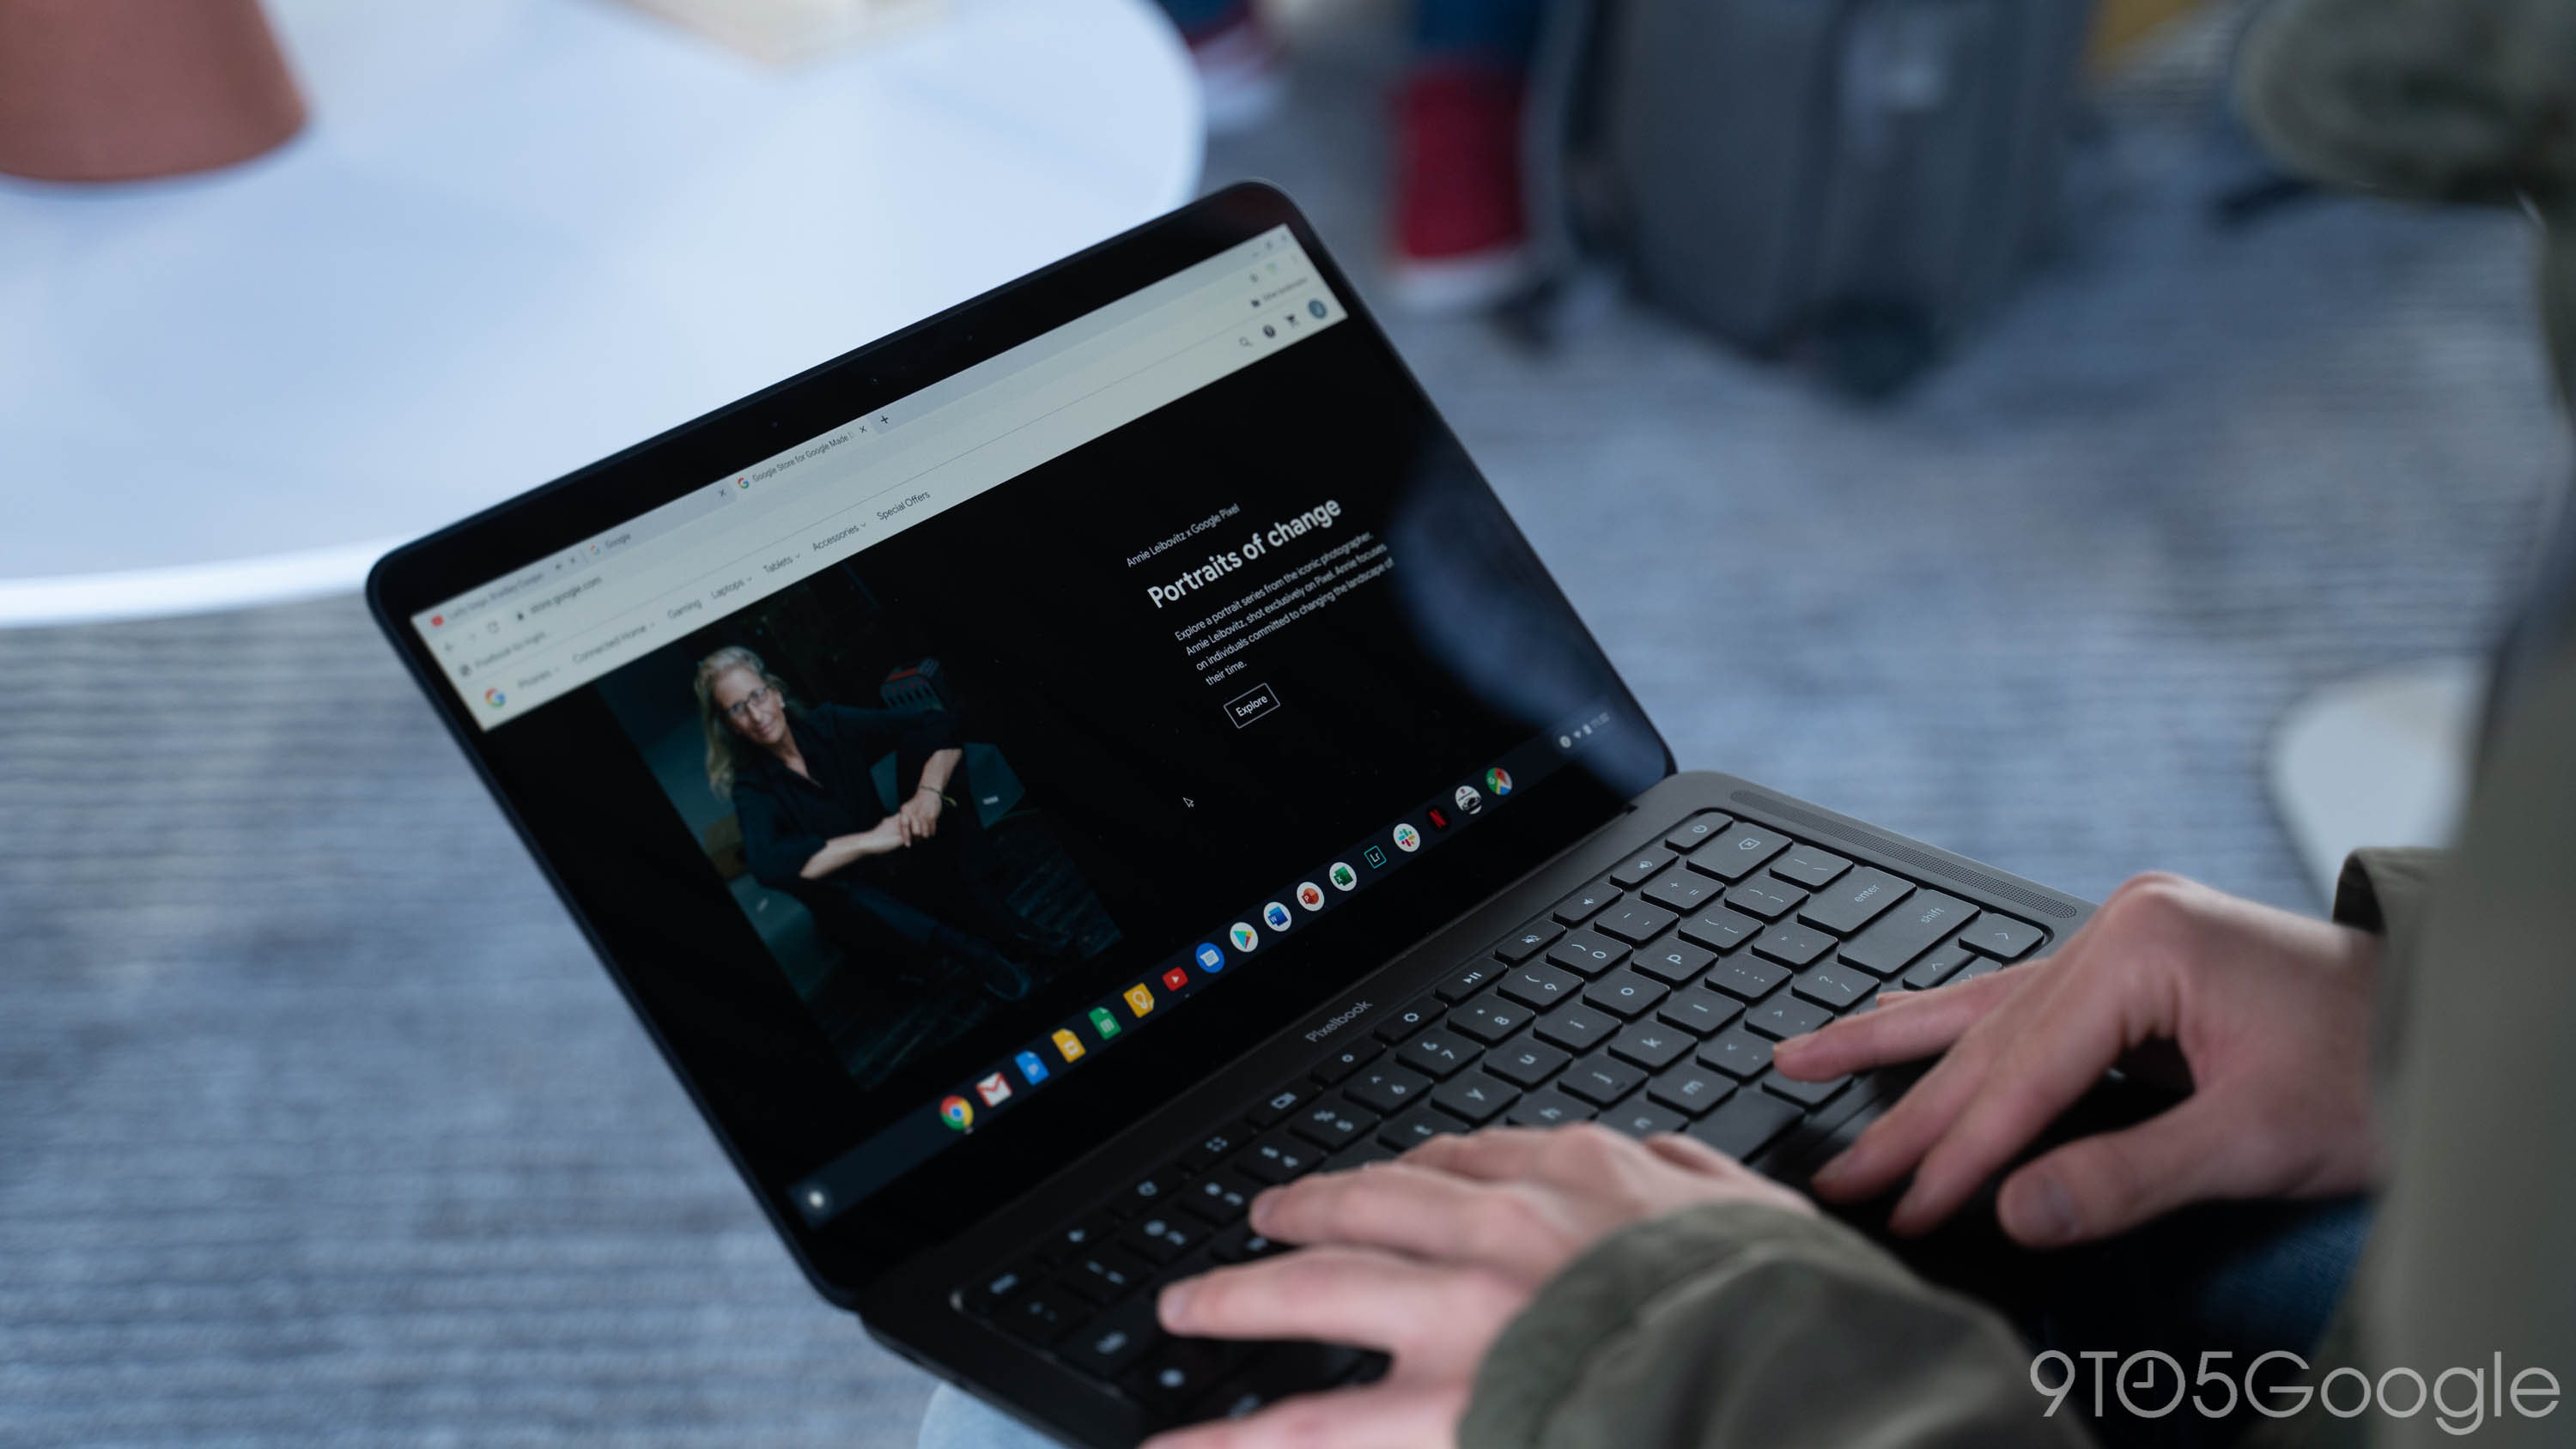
(1496, 1154)
(1908, 1027)
(1381, 1416)
(1891, 1147)
(2095, 1187)
(1436, 1320)
(1692, 1155)
(2080, 1030)
(1408, 1207)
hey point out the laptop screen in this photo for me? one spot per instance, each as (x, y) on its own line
(1023, 716)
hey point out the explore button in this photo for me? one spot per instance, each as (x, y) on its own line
(1251, 705)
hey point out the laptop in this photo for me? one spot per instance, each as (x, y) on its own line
(1044, 776)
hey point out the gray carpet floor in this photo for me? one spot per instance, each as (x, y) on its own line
(317, 1123)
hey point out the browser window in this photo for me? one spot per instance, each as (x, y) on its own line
(1019, 712)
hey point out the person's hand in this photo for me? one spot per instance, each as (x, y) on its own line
(2271, 1013)
(919, 817)
(883, 838)
(1426, 1259)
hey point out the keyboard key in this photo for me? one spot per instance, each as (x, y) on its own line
(1697, 831)
(1475, 1097)
(1976, 967)
(1149, 1190)
(1181, 1371)
(1691, 1089)
(1549, 1108)
(1747, 977)
(1785, 1016)
(1108, 1344)
(1331, 1125)
(1387, 1088)
(1577, 1028)
(1277, 1158)
(1274, 1109)
(1584, 904)
(1437, 1054)
(996, 1288)
(1543, 987)
(1809, 866)
(1077, 1237)
(1281, 1371)
(1467, 980)
(1417, 1127)
(1041, 1316)
(1221, 1197)
(1641, 1119)
(1526, 1063)
(1897, 937)
(1672, 962)
(1699, 1011)
(1805, 1094)
(1736, 851)
(1854, 901)
(1490, 1018)
(1682, 891)
(1240, 1244)
(1719, 929)
(1587, 953)
(1161, 1237)
(1791, 944)
(1640, 868)
(2001, 937)
(1358, 1052)
(1834, 987)
(1601, 1080)
(1746, 1123)
(1634, 921)
(1105, 1276)
(1535, 937)
(1653, 1045)
(1413, 1017)
(1936, 967)
(1738, 1053)
(1217, 1146)
(1764, 895)
(1629, 993)
(1359, 1155)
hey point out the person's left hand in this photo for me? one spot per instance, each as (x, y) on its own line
(1426, 1259)
(920, 815)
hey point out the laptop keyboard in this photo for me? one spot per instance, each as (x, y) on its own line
(1648, 1001)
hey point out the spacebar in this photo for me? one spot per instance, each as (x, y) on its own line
(1746, 1125)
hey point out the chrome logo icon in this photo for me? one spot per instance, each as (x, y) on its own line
(957, 1112)
(495, 698)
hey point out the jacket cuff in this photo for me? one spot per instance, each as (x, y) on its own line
(1742, 1324)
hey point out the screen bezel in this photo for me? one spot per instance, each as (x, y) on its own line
(771, 1140)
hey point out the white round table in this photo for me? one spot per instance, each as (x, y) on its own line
(518, 236)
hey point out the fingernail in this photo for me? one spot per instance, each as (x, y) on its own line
(1174, 1305)
(2046, 1213)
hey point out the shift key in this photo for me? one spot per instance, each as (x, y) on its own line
(1907, 932)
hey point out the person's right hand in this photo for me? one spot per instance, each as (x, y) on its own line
(2271, 1012)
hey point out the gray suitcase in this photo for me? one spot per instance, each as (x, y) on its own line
(1856, 179)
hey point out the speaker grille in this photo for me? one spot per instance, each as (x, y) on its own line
(1976, 880)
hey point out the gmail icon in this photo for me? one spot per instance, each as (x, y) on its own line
(995, 1090)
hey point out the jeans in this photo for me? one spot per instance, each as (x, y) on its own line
(2241, 1277)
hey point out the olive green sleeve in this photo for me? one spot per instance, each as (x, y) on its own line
(1742, 1325)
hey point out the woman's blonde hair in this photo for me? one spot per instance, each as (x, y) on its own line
(721, 739)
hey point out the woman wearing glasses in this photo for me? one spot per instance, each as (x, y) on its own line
(813, 826)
